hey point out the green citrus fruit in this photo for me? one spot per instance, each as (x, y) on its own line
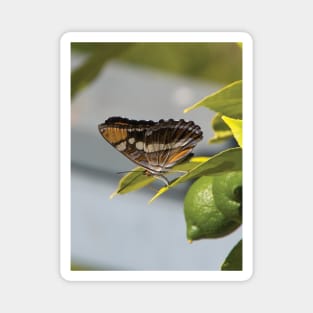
(227, 191)
(203, 218)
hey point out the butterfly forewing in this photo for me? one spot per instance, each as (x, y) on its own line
(127, 136)
(169, 142)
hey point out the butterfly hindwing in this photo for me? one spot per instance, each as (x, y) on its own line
(169, 142)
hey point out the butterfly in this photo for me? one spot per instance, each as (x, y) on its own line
(155, 146)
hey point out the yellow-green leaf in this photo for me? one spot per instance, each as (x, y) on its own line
(221, 130)
(227, 101)
(132, 181)
(137, 179)
(236, 127)
(225, 161)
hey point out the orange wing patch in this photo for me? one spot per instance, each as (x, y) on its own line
(177, 156)
(114, 135)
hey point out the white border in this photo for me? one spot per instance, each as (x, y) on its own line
(65, 156)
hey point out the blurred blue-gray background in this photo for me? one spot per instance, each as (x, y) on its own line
(139, 81)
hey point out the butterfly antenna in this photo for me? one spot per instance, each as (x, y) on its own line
(129, 172)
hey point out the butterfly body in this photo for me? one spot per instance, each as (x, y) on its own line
(155, 146)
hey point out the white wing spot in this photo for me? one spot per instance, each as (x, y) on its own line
(150, 148)
(121, 146)
(139, 145)
(131, 140)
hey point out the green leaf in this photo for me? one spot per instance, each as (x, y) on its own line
(233, 261)
(236, 127)
(227, 101)
(223, 162)
(137, 179)
(226, 161)
(221, 130)
(90, 69)
(227, 192)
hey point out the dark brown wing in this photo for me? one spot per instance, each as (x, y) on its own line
(127, 136)
(168, 142)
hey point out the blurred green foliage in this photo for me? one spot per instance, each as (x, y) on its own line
(218, 62)
(90, 267)
(97, 56)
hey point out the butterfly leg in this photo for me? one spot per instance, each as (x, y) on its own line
(176, 171)
(162, 178)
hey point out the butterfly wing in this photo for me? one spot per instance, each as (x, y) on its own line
(169, 142)
(127, 136)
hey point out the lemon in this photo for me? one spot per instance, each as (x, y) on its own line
(227, 191)
(203, 218)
